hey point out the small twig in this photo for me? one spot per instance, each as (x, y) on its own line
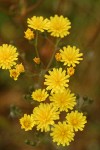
(33, 6)
(58, 10)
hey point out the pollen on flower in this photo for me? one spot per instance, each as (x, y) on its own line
(44, 115)
(62, 134)
(70, 56)
(59, 26)
(29, 34)
(27, 122)
(8, 56)
(76, 120)
(39, 95)
(36, 60)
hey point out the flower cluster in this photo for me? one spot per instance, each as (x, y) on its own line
(55, 96)
(8, 58)
(57, 26)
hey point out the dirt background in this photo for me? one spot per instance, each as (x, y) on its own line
(85, 34)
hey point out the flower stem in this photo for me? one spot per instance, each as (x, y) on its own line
(53, 54)
(36, 43)
(36, 48)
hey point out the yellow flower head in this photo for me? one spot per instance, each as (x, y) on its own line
(39, 95)
(29, 34)
(44, 116)
(27, 122)
(36, 60)
(70, 71)
(19, 68)
(63, 100)
(38, 23)
(8, 56)
(14, 74)
(62, 133)
(56, 80)
(58, 56)
(59, 26)
(71, 56)
(76, 120)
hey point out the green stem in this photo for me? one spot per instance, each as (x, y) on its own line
(36, 48)
(36, 43)
(50, 62)
(42, 73)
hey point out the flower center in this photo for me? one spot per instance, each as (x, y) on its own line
(70, 58)
(74, 121)
(45, 119)
(39, 97)
(57, 81)
(5, 57)
(58, 27)
(26, 124)
(14, 74)
(63, 133)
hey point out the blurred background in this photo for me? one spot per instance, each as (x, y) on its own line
(85, 34)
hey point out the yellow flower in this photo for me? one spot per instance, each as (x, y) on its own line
(27, 122)
(14, 74)
(29, 34)
(36, 60)
(39, 95)
(76, 120)
(71, 56)
(58, 56)
(63, 100)
(59, 26)
(44, 116)
(62, 133)
(38, 23)
(19, 68)
(70, 71)
(8, 56)
(56, 80)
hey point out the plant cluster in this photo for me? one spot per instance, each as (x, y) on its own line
(55, 96)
